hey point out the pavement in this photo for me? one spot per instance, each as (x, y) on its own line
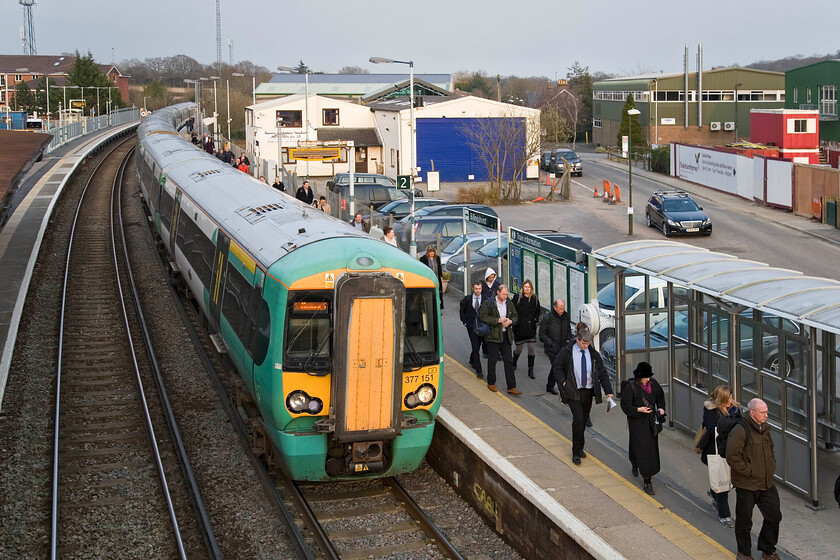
(805, 533)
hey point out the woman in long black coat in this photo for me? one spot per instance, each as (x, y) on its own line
(640, 400)
(525, 331)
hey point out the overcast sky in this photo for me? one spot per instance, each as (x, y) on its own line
(507, 37)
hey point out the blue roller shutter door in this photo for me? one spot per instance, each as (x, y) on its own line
(446, 142)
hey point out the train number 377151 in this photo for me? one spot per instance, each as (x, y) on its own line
(426, 378)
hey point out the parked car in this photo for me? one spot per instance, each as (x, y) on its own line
(487, 256)
(369, 189)
(545, 161)
(676, 212)
(718, 329)
(399, 209)
(475, 241)
(558, 166)
(431, 220)
(634, 300)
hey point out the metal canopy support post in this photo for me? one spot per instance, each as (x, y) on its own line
(812, 418)
(351, 157)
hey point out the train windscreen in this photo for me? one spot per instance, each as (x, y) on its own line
(421, 329)
(309, 332)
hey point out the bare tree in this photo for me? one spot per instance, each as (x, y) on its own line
(571, 108)
(503, 145)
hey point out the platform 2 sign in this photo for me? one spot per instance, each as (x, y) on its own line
(404, 182)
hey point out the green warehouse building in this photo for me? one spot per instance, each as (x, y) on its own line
(814, 87)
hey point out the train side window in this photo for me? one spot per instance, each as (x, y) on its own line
(197, 248)
(421, 328)
(167, 203)
(235, 305)
(263, 334)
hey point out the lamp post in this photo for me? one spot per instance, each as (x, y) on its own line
(412, 249)
(253, 85)
(215, 108)
(305, 105)
(736, 110)
(630, 114)
(227, 84)
(145, 97)
(279, 146)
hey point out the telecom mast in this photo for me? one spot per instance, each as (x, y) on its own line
(218, 35)
(28, 31)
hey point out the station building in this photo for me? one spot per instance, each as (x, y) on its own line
(711, 107)
(379, 124)
(814, 88)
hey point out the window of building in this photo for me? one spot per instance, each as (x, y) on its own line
(808, 95)
(828, 100)
(18, 77)
(796, 95)
(291, 119)
(330, 117)
(596, 122)
(801, 126)
(393, 158)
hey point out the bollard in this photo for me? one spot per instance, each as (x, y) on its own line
(616, 198)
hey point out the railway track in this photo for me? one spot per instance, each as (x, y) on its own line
(113, 454)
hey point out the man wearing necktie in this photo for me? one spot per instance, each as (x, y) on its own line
(580, 374)
(469, 307)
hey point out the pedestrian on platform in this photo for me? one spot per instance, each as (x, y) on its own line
(305, 194)
(643, 401)
(389, 236)
(525, 330)
(468, 312)
(490, 285)
(358, 223)
(580, 375)
(278, 184)
(209, 145)
(226, 155)
(243, 167)
(555, 333)
(720, 404)
(749, 451)
(323, 206)
(432, 260)
(500, 315)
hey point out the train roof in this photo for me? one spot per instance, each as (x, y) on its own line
(265, 222)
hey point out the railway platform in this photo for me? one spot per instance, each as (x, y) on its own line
(526, 444)
(29, 212)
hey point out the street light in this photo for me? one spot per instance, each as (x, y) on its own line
(253, 85)
(215, 107)
(305, 104)
(630, 114)
(736, 110)
(412, 249)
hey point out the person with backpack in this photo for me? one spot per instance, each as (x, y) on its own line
(643, 401)
(749, 451)
(720, 405)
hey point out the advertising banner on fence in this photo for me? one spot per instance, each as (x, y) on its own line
(706, 167)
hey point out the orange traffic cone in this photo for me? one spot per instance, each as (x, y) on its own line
(548, 179)
(596, 192)
(606, 189)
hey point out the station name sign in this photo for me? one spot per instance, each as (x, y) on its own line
(542, 245)
(482, 219)
(323, 153)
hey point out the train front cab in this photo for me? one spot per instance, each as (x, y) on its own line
(380, 418)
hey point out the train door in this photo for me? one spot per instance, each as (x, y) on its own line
(217, 286)
(367, 380)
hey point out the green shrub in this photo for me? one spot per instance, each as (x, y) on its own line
(479, 193)
(660, 160)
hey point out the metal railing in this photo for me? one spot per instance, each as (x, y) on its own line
(64, 133)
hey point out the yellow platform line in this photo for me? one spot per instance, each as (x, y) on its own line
(622, 491)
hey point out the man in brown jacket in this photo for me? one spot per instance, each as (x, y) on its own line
(750, 455)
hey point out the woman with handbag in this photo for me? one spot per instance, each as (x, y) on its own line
(643, 401)
(719, 405)
(525, 331)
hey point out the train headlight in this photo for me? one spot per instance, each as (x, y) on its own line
(424, 395)
(299, 402)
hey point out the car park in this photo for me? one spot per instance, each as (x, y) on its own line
(443, 216)
(370, 189)
(675, 212)
(488, 255)
(558, 165)
(399, 209)
(475, 241)
(718, 330)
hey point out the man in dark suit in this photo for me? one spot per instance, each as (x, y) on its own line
(500, 314)
(469, 307)
(580, 374)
